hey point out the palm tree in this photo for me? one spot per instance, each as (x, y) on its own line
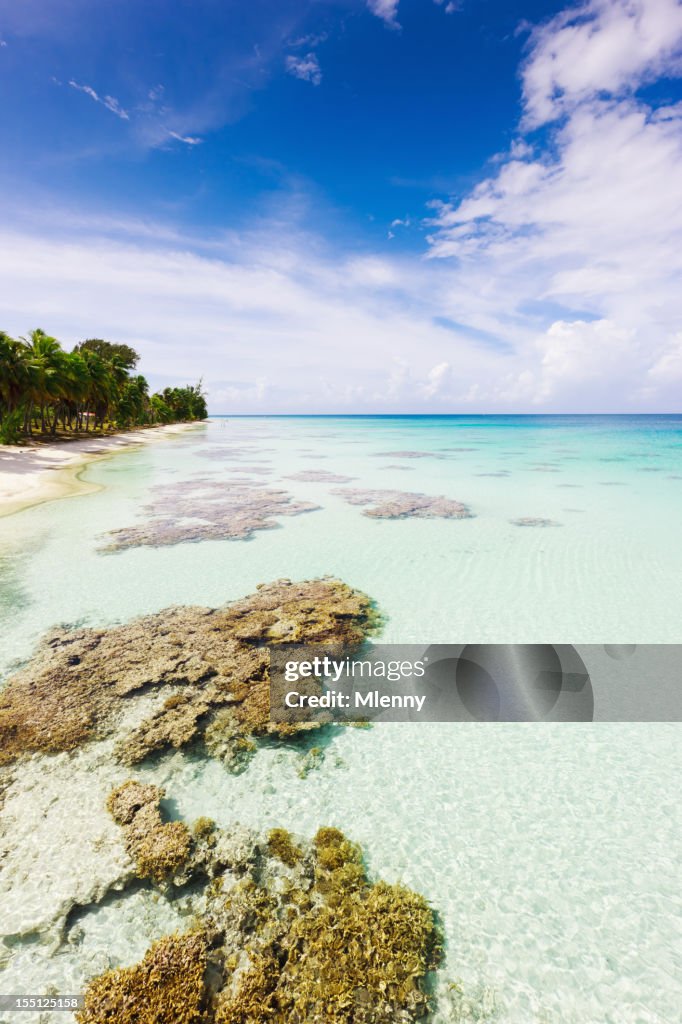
(46, 374)
(43, 384)
(101, 389)
(76, 391)
(13, 371)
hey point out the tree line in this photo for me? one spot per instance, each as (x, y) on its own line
(45, 389)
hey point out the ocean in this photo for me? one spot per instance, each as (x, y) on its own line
(550, 851)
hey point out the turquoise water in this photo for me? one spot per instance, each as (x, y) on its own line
(551, 852)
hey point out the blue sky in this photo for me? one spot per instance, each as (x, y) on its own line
(353, 205)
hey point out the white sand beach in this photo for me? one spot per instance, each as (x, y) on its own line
(42, 471)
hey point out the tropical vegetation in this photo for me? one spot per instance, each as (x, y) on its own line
(48, 391)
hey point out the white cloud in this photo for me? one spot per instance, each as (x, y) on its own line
(668, 366)
(582, 355)
(586, 231)
(189, 140)
(110, 102)
(387, 10)
(436, 379)
(371, 271)
(553, 284)
(306, 68)
(607, 46)
(329, 330)
(274, 321)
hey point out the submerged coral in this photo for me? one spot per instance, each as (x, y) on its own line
(282, 846)
(167, 987)
(533, 521)
(404, 504)
(214, 663)
(159, 848)
(196, 510)
(285, 931)
(224, 453)
(319, 476)
(409, 455)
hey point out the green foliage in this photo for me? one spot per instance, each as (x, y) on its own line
(11, 427)
(43, 388)
(127, 356)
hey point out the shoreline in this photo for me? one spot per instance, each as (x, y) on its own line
(31, 474)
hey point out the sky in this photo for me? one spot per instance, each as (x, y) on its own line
(352, 206)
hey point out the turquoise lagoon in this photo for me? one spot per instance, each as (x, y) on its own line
(550, 851)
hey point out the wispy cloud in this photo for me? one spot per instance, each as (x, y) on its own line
(141, 113)
(553, 284)
(306, 68)
(387, 10)
(110, 102)
(277, 296)
(189, 140)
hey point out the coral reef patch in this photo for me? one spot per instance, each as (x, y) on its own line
(167, 987)
(261, 469)
(321, 476)
(158, 848)
(404, 504)
(410, 455)
(225, 453)
(214, 663)
(197, 510)
(285, 930)
(533, 521)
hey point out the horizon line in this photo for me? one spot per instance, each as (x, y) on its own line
(432, 415)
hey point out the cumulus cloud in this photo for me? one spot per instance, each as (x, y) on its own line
(436, 379)
(589, 226)
(668, 366)
(608, 46)
(387, 10)
(110, 102)
(306, 68)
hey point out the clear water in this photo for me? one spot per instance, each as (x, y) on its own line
(551, 852)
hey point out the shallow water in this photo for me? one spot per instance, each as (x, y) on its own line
(551, 852)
